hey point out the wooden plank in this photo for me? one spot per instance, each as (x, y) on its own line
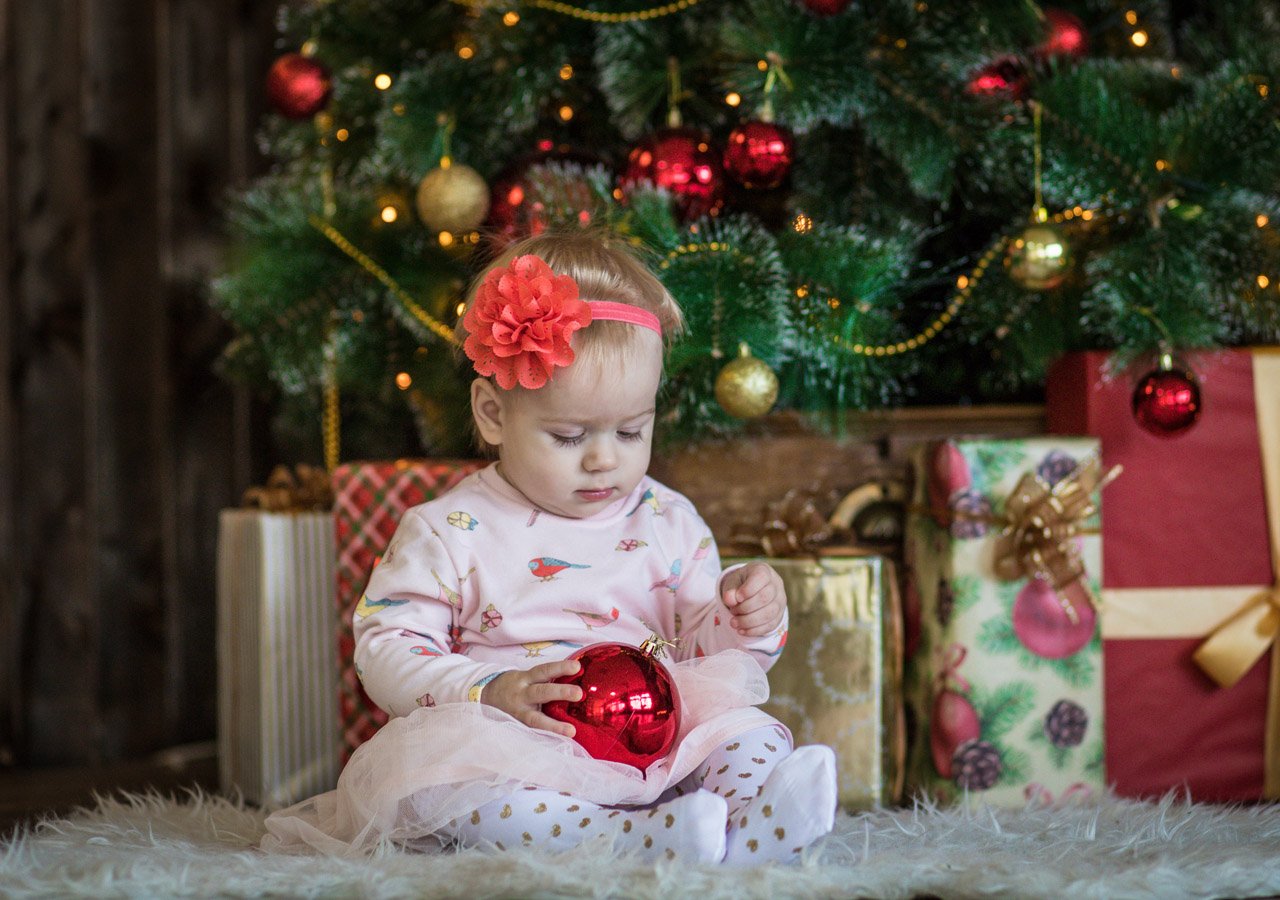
(10, 700)
(55, 617)
(127, 384)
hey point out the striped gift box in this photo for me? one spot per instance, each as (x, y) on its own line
(277, 723)
(369, 499)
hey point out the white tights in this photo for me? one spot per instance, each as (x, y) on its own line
(752, 800)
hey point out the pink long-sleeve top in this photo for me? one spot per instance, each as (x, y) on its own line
(479, 581)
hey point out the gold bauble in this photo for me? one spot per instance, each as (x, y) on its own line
(746, 387)
(453, 198)
(1039, 259)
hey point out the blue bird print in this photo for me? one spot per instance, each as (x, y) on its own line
(367, 607)
(545, 567)
(672, 581)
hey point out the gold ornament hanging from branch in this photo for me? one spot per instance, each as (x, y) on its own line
(746, 387)
(1039, 259)
(453, 198)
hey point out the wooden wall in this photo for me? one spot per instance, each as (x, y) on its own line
(122, 125)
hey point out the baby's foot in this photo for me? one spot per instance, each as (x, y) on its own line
(690, 828)
(796, 806)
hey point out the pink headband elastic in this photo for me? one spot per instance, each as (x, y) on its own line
(522, 320)
(607, 310)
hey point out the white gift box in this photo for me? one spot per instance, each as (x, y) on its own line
(278, 738)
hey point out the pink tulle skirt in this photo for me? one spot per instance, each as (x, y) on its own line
(436, 764)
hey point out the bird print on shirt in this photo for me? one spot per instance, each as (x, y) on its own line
(546, 567)
(672, 581)
(367, 607)
(490, 618)
(535, 648)
(595, 619)
(454, 598)
(704, 547)
(649, 499)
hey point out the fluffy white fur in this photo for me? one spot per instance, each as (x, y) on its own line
(149, 846)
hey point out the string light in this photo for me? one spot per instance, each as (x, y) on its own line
(566, 72)
(1139, 38)
(510, 18)
(445, 238)
(382, 81)
(802, 223)
(389, 214)
(566, 113)
(404, 380)
(733, 98)
(1261, 221)
(342, 134)
(1263, 281)
(466, 51)
(1131, 17)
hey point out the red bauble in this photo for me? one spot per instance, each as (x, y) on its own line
(682, 161)
(759, 154)
(948, 476)
(513, 211)
(1043, 624)
(1003, 78)
(629, 711)
(298, 87)
(826, 7)
(1166, 401)
(1065, 35)
(952, 722)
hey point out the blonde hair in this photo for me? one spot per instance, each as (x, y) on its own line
(605, 269)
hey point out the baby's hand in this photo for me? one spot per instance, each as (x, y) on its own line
(520, 694)
(756, 598)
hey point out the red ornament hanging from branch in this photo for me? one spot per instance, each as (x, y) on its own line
(298, 86)
(1065, 35)
(682, 161)
(758, 155)
(1005, 78)
(826, 8)
(1166, 401)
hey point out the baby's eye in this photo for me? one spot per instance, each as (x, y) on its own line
(631, 435)
(567, 440)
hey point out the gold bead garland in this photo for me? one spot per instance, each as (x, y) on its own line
(331, 421)
(435, 325)
(590, 15)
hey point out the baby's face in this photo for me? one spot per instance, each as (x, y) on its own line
(582, 441)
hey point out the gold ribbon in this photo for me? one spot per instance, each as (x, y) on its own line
(1237, 644)
(790, 527)
(1041, 523)
(306, 489)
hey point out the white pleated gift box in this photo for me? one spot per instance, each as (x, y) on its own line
(278, 738)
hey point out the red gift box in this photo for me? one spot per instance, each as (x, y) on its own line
(1187, 547)
(369, 499)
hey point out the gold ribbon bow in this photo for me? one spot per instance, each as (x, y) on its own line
(306, 489)
(1239, 642)
(792, 526)
(1041, 524)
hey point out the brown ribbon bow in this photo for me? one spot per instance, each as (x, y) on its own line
(308, 490)
(1041, 522)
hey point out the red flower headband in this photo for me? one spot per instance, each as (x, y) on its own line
(523, 318)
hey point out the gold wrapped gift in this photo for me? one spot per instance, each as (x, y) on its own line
(838, 681)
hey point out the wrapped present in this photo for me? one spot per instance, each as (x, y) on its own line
(277, 722)
(369, 499)
(1004, 673)
(838, 682)
(1191, 611)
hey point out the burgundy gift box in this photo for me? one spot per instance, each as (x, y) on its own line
(1187, 545)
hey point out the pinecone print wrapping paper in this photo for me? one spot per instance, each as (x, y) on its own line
(1004, 679)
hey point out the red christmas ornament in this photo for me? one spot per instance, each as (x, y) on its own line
(1065, 35)
(1166, 401)
(514, 212)
(298, 86)
(682, 161)
(826, 7)
(953, 720)
(759, 154)
(1003, 78)
(1047, 624)
(629, 711)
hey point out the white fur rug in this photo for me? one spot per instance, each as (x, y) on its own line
(148, 846)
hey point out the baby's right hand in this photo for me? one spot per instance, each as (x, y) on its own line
(520, 694)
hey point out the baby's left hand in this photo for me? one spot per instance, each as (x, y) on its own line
(756, 598)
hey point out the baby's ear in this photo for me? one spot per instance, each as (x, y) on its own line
(487, 410)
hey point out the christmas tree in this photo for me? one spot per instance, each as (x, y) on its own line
(879, 203)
